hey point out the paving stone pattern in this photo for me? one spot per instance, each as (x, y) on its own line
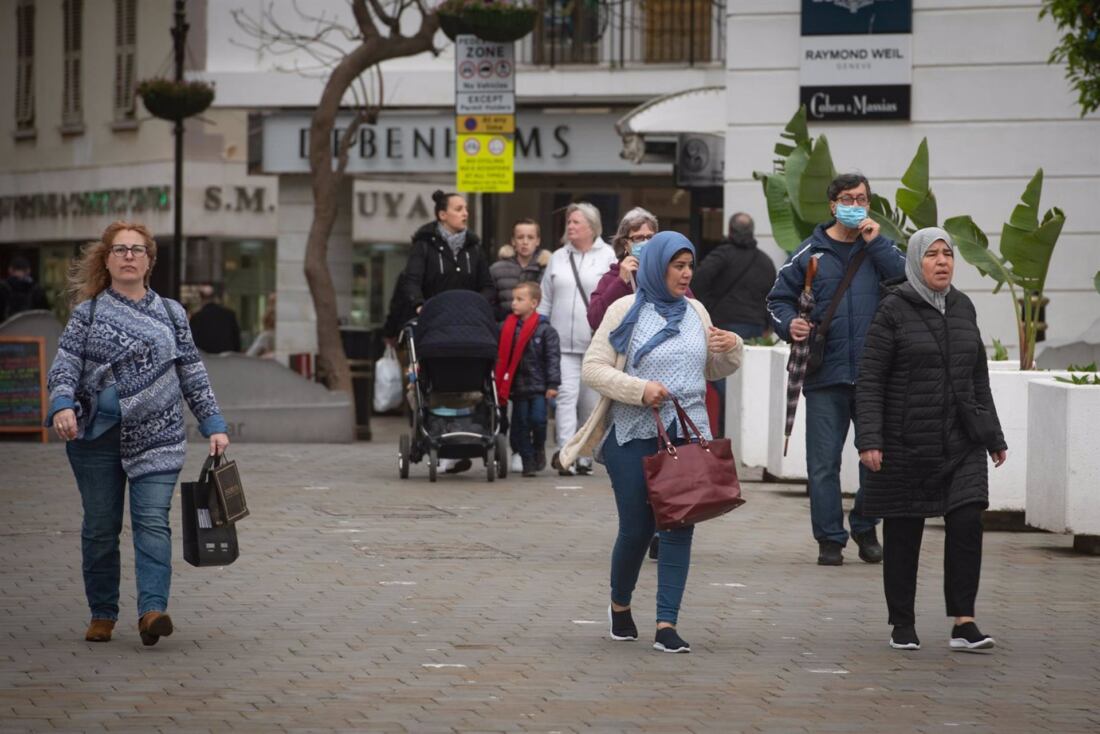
(365, 603)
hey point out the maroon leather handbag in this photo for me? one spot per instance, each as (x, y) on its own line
(691, 482)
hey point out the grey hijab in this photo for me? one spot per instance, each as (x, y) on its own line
(919, 243)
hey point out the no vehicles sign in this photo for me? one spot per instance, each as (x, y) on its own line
(484, 66)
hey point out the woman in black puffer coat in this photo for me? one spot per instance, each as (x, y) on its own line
(923, 355)
(445, 256)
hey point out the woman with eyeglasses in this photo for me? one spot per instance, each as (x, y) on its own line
(125, 364)
(636, 228)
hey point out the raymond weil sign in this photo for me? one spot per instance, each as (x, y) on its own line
(426, 142)
(856, 59)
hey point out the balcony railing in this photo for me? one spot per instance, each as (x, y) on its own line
(619, 33)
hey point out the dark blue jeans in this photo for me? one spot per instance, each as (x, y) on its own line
(528, 431)
(97, 466)
(746, 332)
(636, 525)
(829, 413)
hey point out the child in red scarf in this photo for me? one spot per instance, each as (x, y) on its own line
(528, 373)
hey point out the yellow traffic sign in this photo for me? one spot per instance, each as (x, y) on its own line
(478, 124)
(486, 164)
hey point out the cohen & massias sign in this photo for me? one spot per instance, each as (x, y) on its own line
(856, 59)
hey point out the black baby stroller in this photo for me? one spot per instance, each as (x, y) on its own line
(453, 349)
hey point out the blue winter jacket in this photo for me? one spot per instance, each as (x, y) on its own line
(854, 314)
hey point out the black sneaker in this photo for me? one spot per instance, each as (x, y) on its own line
(584, 466)
(904, 638)
(529, 468)
(869, 549)
(540, 459)
(830, 553)
(621, 624)
(968, 637)
(459, 466)
(654, 547)
(668, 641)
(554, 462)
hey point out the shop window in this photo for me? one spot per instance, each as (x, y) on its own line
(72, 105)
(24, 68)
(375, 268)
(125, 53)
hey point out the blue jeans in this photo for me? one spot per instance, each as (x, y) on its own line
(97, 466)
(636, 525)
(746, 332)
(528, 431)
(829, 412)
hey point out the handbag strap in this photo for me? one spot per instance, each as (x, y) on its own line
(834, 303)
(212, 462)
(577, 279)
(687, 426)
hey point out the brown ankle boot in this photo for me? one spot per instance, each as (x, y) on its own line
(100, 630)
(153, 626)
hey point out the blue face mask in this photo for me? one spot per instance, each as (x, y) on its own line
(850, 216)
(636, 249)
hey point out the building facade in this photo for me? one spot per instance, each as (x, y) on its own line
(78, 150)
(982, 93)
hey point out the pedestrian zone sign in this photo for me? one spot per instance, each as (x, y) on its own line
(485, 164)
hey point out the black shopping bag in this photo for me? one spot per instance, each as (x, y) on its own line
(204, 544)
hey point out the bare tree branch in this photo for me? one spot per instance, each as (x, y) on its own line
(393, 22)
(364, 21)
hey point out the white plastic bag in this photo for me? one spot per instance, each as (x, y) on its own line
(388, 387)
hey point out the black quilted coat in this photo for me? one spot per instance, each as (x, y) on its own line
(905, 406)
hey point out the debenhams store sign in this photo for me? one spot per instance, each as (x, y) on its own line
(406, 142)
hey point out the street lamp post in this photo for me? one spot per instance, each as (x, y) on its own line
(179, 39)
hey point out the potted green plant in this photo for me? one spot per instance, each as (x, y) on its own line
(502, 21)
(172, 100)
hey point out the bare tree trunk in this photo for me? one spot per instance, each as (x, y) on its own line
(332, 363)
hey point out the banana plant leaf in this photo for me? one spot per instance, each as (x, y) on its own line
(1096, 281)
(788, 230)
(915, 196)
(1030, 251)
(796, 131)
(973, 245)
(891, 224)
(808, 174)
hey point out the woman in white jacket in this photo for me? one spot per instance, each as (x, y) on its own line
(573, 273)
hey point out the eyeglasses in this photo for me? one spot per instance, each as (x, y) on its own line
(640, 238)
(135, 250)
(850, 200)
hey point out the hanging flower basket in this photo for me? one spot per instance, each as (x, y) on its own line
(171, 100)
(489, 20)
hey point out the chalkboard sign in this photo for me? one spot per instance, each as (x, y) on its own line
(23, 385)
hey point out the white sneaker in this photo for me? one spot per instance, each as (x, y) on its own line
(517, 463)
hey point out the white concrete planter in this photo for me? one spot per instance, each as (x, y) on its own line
(748, 405)
(793, 465)
(1063, 465)
(1008, 485)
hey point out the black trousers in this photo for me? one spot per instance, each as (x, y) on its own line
(962, 562)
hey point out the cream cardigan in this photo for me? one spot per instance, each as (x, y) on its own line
(603, 370)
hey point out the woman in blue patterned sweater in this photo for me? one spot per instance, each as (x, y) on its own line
(125, 364)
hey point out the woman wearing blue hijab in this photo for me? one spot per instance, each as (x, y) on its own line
(651, 345)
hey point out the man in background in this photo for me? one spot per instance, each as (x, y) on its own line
(214, 326)
(19, 292)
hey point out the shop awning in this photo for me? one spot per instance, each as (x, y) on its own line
(699, 111)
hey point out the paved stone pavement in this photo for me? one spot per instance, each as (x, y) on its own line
(366, 603)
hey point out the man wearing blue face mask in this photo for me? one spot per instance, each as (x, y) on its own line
(853, 258)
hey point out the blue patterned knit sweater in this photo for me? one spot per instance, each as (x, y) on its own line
(151, 359)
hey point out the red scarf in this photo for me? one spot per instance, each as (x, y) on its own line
(507, 358)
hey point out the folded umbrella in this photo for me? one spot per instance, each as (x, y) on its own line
(800, 352)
